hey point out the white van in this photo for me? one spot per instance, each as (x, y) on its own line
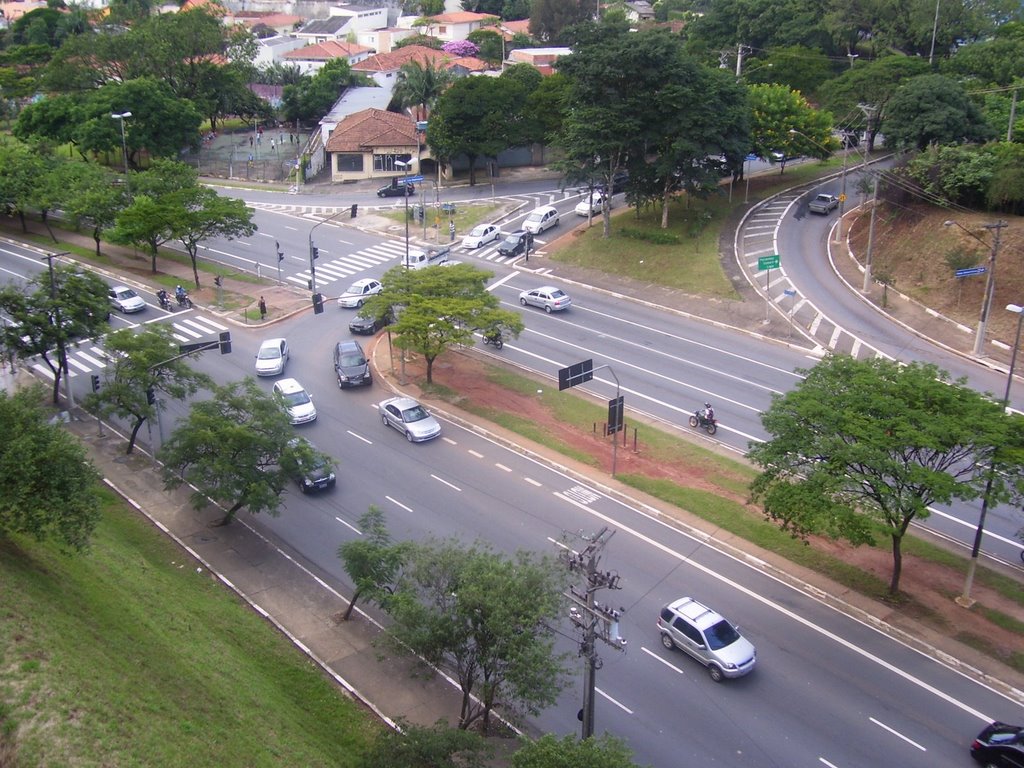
(540, 219)
(420, 259)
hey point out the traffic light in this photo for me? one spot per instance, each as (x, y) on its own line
(355, 209)
(95, 383)
(280, 256)
(318, 303)
(151, 396)
(314, 252)
(225, 342)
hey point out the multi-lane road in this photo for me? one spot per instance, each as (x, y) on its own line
(829, 690)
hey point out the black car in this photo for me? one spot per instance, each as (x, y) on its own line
(368, 324)
(515, 244)
(999, 745)
(395, 189)
(316, 474)
(619, 181)
(351, 365)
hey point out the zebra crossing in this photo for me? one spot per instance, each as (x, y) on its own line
(345, 267)
(88, 357)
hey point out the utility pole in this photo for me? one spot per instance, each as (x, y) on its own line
(62, 351)
(596, 621)
(871, 237)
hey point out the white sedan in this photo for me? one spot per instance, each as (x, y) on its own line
(591, 206)
(481, 235)
(358, 292)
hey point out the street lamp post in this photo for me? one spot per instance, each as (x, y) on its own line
(121, 117)
(965, 599)
(990, 279)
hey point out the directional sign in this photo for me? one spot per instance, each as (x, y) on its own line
(577, 373)
(971, 272)
(789, 292)
(410, 179)
(768, 262)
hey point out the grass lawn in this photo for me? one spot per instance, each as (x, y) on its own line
(127, 656)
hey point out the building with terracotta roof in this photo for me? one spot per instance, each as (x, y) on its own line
(311, 58)
(366, 145)
(281, 23)
(541, 58)
(383, 67)
(457, 25)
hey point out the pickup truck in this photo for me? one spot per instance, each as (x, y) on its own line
(429, 257)
(823, 204)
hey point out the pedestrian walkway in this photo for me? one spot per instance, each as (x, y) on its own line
(344, 267)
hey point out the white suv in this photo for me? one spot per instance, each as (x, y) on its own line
(709, 638)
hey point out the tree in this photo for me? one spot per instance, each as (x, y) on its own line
(313, 97)
(144, 364)
(372, 561)
(416, 746)
(800, 68)
(549, 19)
(234, 449)
(487, 616)
(440, 306)
(20, 171)
(418, 87)
(89, 196)
(490, 44)
(861, 448)
(59, 308)
(50, 486)
(551, 752)
(933, 109)
(782, 121)
(202, 213)
(477, 117)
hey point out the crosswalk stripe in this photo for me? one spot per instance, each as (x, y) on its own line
(299, 279)
(94, 361)
(78, 365)
(187, 331)
(335, 270)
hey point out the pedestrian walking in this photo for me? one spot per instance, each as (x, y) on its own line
(250, 141)
(291, 138)
(451, 230)
(272, 144)
(263, 309)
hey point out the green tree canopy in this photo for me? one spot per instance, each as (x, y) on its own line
(372, 560)
(863, 448)
(416, 746)
(50, 486)
(549, 751)
(234, 448)
(144, 361)
(418, 87)
(488, 617)
(312, 98)
(200, 213)
(933, 109)
(782, 121)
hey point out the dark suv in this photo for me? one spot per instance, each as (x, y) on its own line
(351, 365)
(312, 474)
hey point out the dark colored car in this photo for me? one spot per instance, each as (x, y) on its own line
(619, 181)
(515, 243)
(368, 324)
(315, 475)
(394, 189)
(999, 745)
(351, 365)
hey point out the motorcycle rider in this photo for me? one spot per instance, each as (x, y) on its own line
(162, 297)
(179, 294)
(707, 413)
(493, 336)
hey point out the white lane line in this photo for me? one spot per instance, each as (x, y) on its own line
(475, 453)
(359, 437)
(894, 732)
(448, 440)
(503, 280)
(502, 466)
(656, 657)
(781, 609)
(618, 704)
(823, 761)
(399, 504)
(349, 526)
(531, 481)
(442, 480)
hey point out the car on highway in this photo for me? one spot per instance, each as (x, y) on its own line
(999, 744)
(313, 472)
(540, 219)
(410, 418)
(396, 189)
(124, 299)
(350, 365)
(823, 204)
(515, 244)
(593, 205)
(699, 631)
(365, 323)
(547, 297)
(295, 400)
(272, 357)
(357, 293)
(480, 235)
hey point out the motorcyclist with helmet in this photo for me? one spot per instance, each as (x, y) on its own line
(707, 413)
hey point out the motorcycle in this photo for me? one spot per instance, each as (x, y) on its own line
(495, 339)
(184, 301)
(165, 301)
(698, 419)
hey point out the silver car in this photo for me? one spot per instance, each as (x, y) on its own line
(710, 639)
(272, 357)
(548, 298)
(410, 418)
(125, 299)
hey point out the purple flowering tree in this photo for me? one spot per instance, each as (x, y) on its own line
(461, 48)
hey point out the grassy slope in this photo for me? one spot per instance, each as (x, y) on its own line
(127, 656)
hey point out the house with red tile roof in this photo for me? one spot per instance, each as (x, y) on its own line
(281, 23)
(366, 145)
(383, 68)
(456, 26)
(311, 58)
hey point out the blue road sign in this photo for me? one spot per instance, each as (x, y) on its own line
(411, 179)
(789, 292)
(971, 272)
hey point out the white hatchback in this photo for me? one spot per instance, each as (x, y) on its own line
(358, 292)
(295, 400)
(272, 357)
(541, 219)
(481, 235)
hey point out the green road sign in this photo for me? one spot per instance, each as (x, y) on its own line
(768, 262)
